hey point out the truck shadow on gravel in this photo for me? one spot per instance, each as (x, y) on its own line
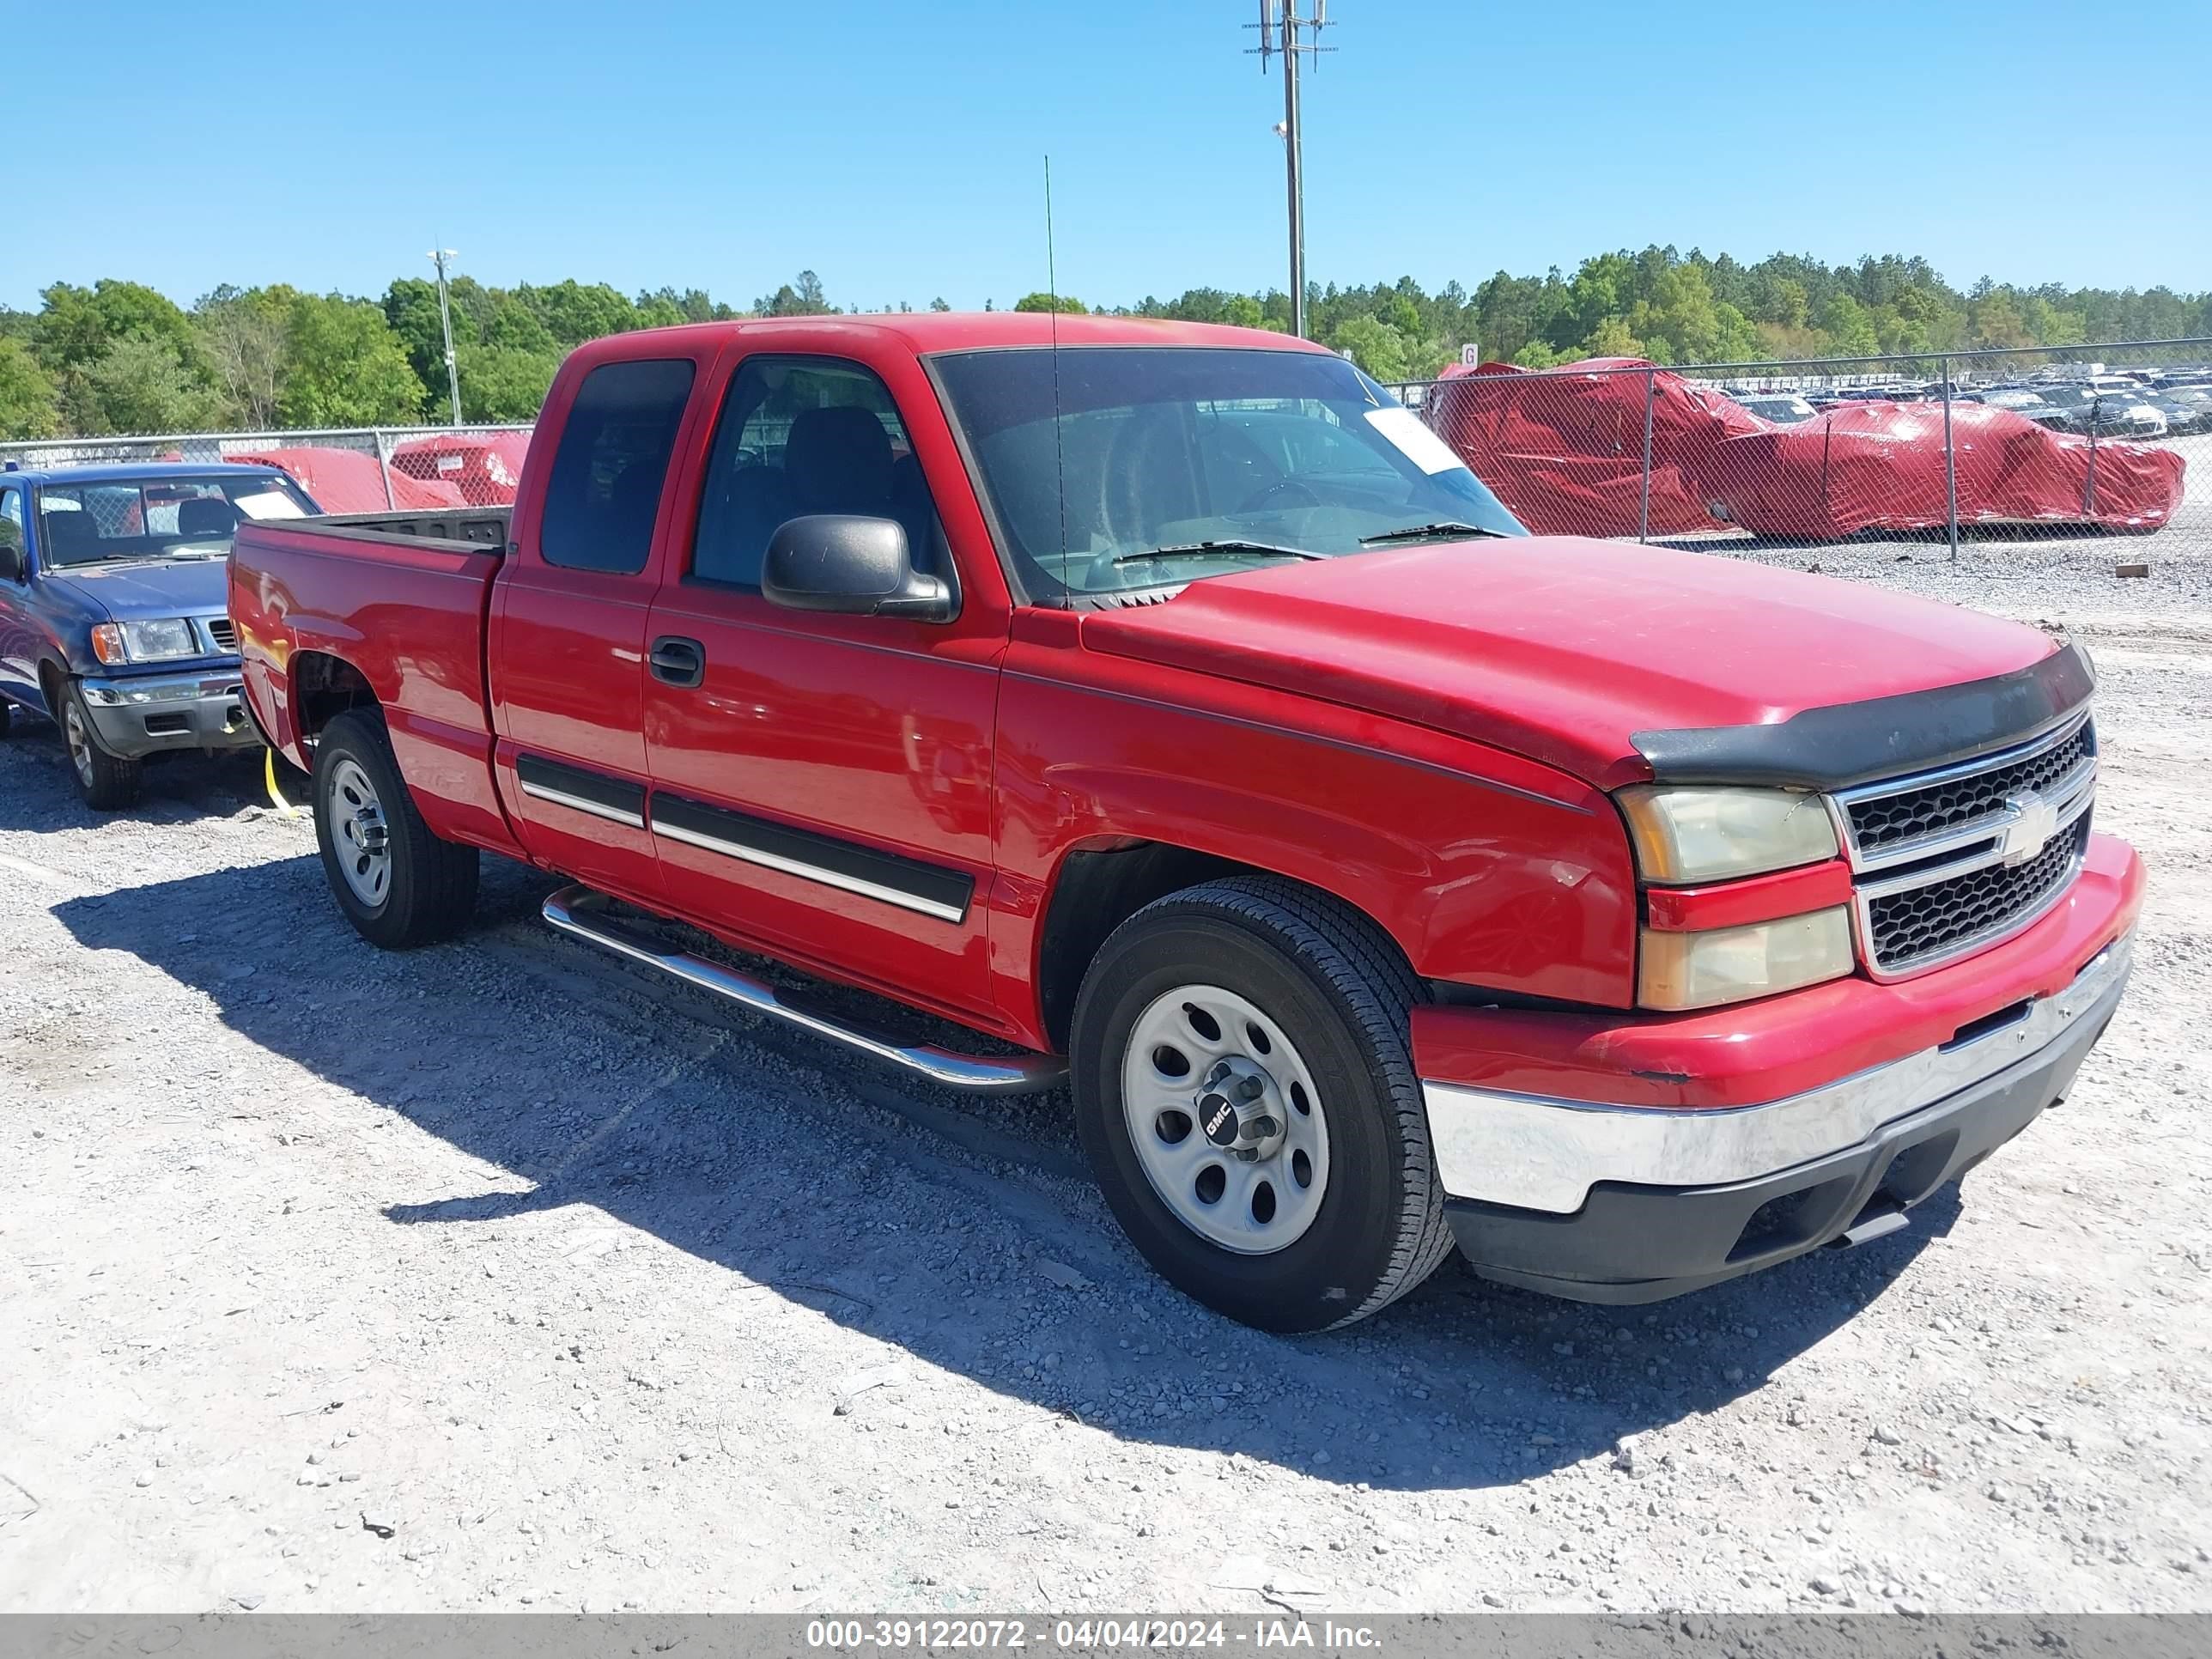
(960, 1231)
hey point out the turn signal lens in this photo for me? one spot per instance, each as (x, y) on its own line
(1734, 964)
(107, 644)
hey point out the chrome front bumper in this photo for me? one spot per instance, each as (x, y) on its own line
(144, 715)
(1535, 1153)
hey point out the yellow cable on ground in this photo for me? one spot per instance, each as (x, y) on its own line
(276, 795)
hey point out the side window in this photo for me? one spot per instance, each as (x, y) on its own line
(807, 435)
(11, 518)
(605, 487)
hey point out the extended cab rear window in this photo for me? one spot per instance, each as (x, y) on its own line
(604, 490)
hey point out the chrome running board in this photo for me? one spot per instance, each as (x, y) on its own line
(581, 911)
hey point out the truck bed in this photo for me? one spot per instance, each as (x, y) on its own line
(391, 604)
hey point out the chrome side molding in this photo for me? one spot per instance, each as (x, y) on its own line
(581, 911)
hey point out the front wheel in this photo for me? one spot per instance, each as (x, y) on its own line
(399, 884)
(1245, 1094)
(107, 782)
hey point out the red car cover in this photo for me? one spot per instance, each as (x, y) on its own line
(485, 466)
(1879, 466)
(350, 481)
(1563, 448)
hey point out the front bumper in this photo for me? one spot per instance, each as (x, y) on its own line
(144, 715)
(1607, 1203)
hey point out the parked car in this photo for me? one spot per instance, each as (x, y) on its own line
(352, 480)
(112, 622)
(1783, 408)
(2029, 405)
(2183, 415)
(1380, 877)
(482, 465)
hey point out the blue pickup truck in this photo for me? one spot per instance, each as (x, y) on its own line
(113, 620)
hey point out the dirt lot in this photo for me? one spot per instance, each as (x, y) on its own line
(496, 1276)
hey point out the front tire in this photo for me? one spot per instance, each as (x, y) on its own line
(107, 782)
(1244, 1090)
(398, 883)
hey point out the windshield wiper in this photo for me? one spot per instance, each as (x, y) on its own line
(1228, 549)
(1414, 532)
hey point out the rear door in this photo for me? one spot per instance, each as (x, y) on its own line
(821, 784)
(568, 628)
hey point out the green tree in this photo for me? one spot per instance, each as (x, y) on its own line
(77, 325)
(938, 304)
(142, 384)
(344, 366)
(28, 407)
(504, 383)
(1041, 301)
(242, 339)
(573, 312)
(806, 299)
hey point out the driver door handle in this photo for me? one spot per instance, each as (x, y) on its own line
(676, 660)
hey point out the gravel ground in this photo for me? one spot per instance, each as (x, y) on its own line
(497, 1276)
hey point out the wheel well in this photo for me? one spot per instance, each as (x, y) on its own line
(1097, 889)
(324, 687)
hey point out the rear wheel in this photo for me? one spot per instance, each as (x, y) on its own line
(107, 782)
(1244, 1091)
(399, 884)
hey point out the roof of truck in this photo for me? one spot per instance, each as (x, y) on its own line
(927, 331)
(108, 471)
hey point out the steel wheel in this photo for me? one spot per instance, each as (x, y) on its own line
(80, 741)
(363, 840)
(1226, 1119)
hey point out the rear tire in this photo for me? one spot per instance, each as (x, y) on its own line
(398, 883)
(107, 782)
(1240, 990)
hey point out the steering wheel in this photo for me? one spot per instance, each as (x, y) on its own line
(1293, 492)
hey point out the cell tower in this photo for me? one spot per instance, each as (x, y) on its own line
(1281, 29)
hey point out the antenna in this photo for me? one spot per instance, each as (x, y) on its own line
(1279, 33)
(1052, 294)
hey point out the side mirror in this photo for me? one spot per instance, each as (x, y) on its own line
(11, 562)
(856, 566)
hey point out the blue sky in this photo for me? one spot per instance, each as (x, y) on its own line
(897, 148)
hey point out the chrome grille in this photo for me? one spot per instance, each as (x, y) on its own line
(1950, 861)
(220, 633)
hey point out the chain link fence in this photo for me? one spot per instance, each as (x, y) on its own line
(2026, 445)
(345, 469)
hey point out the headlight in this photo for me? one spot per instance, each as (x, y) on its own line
(159, 641)
(1734, 964)
(1685, 835)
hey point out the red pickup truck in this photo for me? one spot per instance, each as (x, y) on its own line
(1168, 705)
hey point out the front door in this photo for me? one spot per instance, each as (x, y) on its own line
(821, 784)
(18, 639)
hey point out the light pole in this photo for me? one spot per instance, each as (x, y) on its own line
(1279, 33)
(438, 257)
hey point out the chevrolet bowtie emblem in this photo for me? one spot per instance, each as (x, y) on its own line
(2035, 821)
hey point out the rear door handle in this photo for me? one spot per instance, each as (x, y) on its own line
(678, 661)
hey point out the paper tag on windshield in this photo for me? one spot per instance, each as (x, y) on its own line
(1415, 441)
(270, 504)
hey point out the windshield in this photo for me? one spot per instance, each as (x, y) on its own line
(156, 518)
(1227, 458)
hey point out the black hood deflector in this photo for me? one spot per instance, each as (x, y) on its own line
(1853, 743)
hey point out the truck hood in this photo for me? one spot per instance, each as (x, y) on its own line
(1564, 649)
(128, 593)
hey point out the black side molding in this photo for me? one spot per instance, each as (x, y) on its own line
(614, 798)
(1835, 747)
(928, 889)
